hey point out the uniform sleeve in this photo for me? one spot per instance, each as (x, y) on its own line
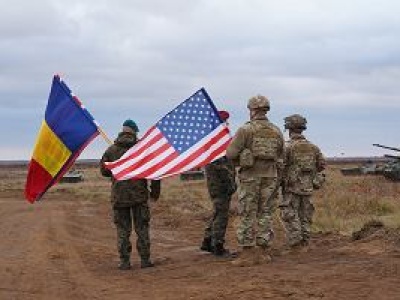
(220, 179)
(286, 160)
(281, 154)
(211, 176)
(321, 162)
(237, 145)
(155, 189)
(103, 170)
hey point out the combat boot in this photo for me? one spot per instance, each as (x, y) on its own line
(245, 258)
(146, 263)
(293, 248)
(305, 242)
(206, 245)
(124, 264)
(262, 256)
(220, 251)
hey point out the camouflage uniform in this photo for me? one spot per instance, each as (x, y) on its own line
(221, 185)
(303, 161)
(258, 147)
(129, 199)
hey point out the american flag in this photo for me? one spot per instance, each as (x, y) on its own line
(190, 136)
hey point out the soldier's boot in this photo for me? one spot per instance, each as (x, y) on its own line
(304, 246)
(305, 242)
(292, 248)
(146, 263)
(220, 251)
(262, 256)
(245, 258)
(206, 245)
(125, 263)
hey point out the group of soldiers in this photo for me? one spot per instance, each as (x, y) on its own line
(265, 171)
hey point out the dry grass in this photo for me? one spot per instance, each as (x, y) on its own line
(346, 203)
(93, 188)
(343, 205)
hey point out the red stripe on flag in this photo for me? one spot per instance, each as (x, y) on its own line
(198, 152)
(215, 153)
(37, 181)
(140, 149)
(143, 161)
(206, 161)
(157, 166)
(77, 100)
(147, 133)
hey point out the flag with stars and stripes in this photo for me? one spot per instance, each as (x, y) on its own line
(190, 136)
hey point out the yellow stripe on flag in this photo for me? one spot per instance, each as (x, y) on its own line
(50, 152)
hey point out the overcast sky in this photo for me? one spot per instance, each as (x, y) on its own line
(336, 62)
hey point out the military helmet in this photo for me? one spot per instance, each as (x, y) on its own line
(258, 102)
(295, 121)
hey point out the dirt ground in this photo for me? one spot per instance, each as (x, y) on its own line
(64, 247)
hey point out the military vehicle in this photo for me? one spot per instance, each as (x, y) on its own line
(365, 169)
(194, 174)
(391, 169)
(72, 176)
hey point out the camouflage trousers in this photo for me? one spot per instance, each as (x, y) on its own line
(257, 203)
(216, 226)
(296, 213)
(139, 215)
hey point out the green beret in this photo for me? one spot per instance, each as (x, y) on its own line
(130, 123)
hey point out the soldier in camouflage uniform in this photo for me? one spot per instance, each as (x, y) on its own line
(303, 161)
(129, 199)
(258, 148)
(221, 185)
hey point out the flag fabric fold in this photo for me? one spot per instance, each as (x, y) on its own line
(190, 136)
(65, 131)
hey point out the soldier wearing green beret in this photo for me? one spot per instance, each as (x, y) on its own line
(129, 200)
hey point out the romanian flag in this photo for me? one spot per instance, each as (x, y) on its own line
(66, 130)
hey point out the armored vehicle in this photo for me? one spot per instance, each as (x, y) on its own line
(391, 169)
(194, 174)
(72, 176)
(365, 169)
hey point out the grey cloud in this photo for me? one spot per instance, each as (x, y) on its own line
(124, 57)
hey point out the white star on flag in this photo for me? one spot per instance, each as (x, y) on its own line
(171, 147)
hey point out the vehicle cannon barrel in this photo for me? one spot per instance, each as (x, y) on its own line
(392, 156)
(386, 147)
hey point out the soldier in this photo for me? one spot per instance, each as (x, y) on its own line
(303, 161)
(129, 199)
(258, 148)
(221, 185)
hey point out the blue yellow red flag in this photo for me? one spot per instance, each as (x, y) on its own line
(66, 130)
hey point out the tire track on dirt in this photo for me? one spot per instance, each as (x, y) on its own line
(65, 248)
(49, 267)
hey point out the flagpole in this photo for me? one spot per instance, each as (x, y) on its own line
(104, 135)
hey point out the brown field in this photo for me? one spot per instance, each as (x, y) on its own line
(64, 246)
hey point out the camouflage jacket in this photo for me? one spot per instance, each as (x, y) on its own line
(221, 178)
(303, 161)
(126, 193)
(244, 140)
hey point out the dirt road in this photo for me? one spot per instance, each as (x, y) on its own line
(64, 248)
